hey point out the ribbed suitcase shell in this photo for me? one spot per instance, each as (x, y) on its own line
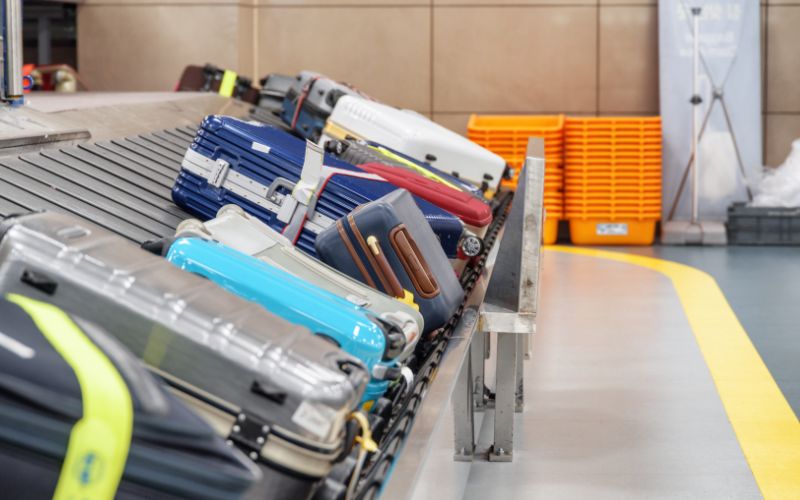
(262, 154)
(193, 331)
(415, 135)
(237, 229)
(351, 327)
(172, 454)
(380, 219)
(317, 105)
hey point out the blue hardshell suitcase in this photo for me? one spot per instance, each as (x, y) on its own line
(257, 167)
(354, 329)
(385, 245)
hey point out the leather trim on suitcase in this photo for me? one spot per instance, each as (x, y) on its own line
(352, 251)
(414, 262)
(384, 279)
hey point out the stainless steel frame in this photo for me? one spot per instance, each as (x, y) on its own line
(504, 301)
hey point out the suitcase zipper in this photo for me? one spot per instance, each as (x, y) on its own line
(353, 255)
(386, 268)
(372, 260)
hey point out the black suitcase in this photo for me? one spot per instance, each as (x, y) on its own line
(80, 417)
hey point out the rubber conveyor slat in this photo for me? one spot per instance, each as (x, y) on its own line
(122, 185)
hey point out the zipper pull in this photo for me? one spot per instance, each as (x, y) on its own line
(372, 242)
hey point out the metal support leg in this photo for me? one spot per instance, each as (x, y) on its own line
(505, 400)
(463, 413)
(526, 346)
(520, 372)
(477, 357)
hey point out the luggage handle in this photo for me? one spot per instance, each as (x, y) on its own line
(279, 182)
(414, 262)
(283, 182)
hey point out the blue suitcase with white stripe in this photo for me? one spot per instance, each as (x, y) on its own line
(259, 168)
(354, 329)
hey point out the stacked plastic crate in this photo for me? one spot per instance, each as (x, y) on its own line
(613, 179)
(507, 136)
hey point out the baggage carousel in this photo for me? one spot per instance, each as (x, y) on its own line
(118, 173)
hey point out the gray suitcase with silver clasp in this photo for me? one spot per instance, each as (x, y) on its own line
(272, 388)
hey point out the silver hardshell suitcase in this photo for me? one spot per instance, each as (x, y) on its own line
(237, 229)
(277, 392)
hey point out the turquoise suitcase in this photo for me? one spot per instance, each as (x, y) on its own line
(354, 329)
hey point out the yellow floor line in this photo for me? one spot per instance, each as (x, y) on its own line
(765, 425)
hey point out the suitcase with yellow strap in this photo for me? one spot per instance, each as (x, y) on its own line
(80, 417)
(272, 388)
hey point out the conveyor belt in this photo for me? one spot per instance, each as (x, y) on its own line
(122, 185)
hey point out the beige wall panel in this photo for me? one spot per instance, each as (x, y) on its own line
(630, 2)
(247, 43)
(781, 131)
(144, 47)
(498, 3)
(384, 51)
(783, 63)
(164, 2)
(506, 59)
(628, 59)
(337, 3)
(457, 122)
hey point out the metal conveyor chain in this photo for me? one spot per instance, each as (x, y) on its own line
(424, 364)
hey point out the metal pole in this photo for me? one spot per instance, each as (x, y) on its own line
(696, 100)
(12, 17)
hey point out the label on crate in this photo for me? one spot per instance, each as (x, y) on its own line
(612, 229)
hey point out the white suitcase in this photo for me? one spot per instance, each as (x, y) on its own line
(235, 228)
(416, 136)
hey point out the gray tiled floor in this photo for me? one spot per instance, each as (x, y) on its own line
(762, 285)
(620, 403)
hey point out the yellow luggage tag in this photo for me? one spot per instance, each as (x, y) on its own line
(228, 83)
(408, 299)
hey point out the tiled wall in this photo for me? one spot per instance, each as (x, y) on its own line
(445, 58)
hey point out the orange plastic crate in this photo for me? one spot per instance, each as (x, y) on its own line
(550, 230)
(612, 232)
(516, 124)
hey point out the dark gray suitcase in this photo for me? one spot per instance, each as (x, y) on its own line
(386, 244)
(274, 87)
(276, 391)
(79, 415)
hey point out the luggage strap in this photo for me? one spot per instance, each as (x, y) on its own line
(313, 180)
(99, 442)
(219, 174)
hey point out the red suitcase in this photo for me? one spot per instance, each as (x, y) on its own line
(466, 207)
